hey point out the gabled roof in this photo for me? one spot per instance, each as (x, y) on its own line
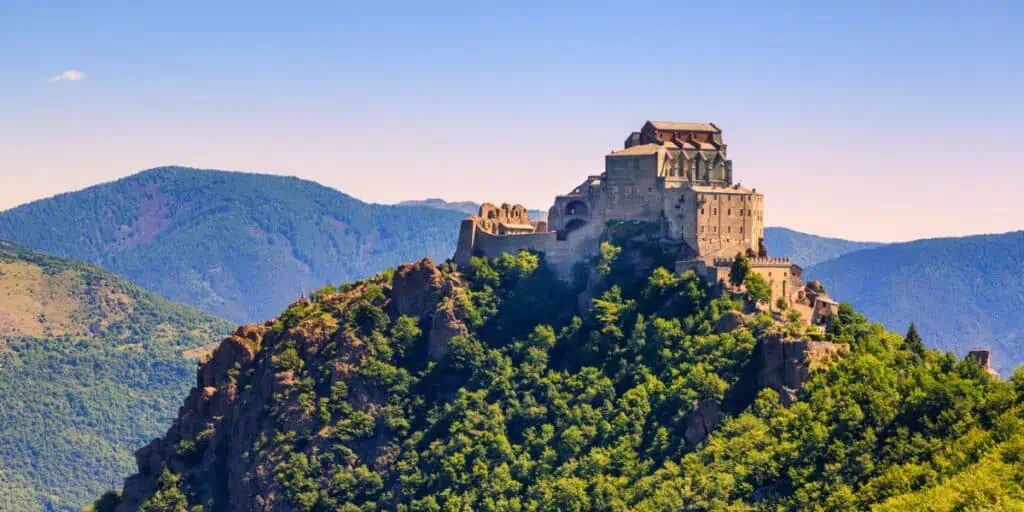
(676, 126)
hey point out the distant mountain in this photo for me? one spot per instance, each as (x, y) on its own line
(962, 293)
(467, 207)
(91, 368)
(806, 249)
(241, 246)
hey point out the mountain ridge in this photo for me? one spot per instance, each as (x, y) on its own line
(960, 292)
(808, 249)
(202, 236)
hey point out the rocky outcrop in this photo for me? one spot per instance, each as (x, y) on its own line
(728, 322)
(204, 424)
(704, 418)
(250, 390)
(785, 365)
(420, 290)
(445, 324)
(416, 288)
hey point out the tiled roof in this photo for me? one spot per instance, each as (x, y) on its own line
(675, 126)
(645, 149)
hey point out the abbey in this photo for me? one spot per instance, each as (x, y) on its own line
(676, 175)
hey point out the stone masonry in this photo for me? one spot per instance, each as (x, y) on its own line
(676, 175)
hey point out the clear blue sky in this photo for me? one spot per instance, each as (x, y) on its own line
(871, 120)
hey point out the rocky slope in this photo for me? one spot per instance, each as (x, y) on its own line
(486, 388)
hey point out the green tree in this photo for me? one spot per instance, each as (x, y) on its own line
(758, 290)
(913, 342)
(740, 269)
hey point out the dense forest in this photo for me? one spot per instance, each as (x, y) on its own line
(241, 246)
(497, 387)
(962, 293)
(91, 367)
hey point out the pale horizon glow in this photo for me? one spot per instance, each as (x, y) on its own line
(854, 125)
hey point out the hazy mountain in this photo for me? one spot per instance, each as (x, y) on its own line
(91, 368)
(962, 293)
(806, 249)
(467, 207)
(238, 245)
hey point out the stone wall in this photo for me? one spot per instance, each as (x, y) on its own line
(728, 221)
(631, 189)
(561, 254)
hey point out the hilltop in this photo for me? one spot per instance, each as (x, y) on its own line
(90, 368)
(962, 293)
(495, 386)
(241, 246)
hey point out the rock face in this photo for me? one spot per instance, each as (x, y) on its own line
(421, 291)
(416, 288)
(701, 421)
(249, 387)
(728, 322)
(780, 364)
(785, 365)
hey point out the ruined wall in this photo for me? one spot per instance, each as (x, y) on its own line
(492, 216)
(560, 255)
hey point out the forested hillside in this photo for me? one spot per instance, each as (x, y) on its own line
(806, 249)
(495, 387)
(962, 293)
(91, 368)
(241, 246)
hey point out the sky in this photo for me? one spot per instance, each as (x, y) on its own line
(863, 120)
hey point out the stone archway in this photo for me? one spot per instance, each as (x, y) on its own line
(577, 209)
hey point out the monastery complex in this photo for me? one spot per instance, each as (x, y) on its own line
(676, 176)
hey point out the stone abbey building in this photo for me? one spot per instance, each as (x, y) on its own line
(676, 175)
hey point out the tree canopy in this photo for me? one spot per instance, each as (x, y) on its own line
(539, 405)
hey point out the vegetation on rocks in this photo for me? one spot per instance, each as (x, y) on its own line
(491, 388)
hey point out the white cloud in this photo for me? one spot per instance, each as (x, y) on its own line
(71, 75)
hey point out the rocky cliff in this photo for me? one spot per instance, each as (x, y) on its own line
(491, 387)
(252, 385)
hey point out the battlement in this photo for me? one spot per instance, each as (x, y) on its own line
(754, 261)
